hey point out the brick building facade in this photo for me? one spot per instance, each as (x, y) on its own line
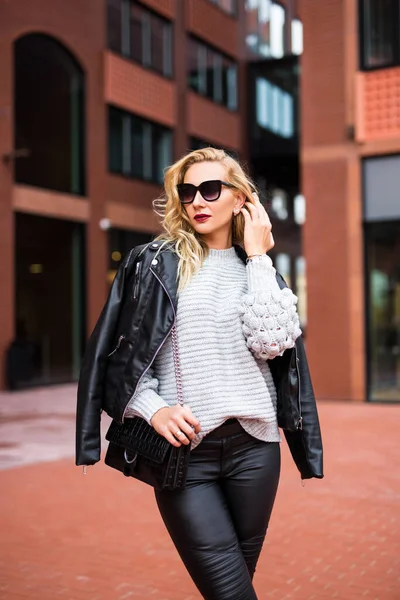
(350, 156)
(82, 161)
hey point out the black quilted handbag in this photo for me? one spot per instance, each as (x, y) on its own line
(137, 450)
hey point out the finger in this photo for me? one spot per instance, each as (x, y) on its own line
(179, 435)
(171, 438)
(191, 419)
(253, 210)
(186, 428)
(246, 214)
(272, 241)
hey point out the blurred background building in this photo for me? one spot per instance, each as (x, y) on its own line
(98, 96)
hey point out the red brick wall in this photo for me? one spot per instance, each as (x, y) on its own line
(214, 26)
(331, 183)
(129, 86)
(322, 68)
(213, 123)
(378, 105)
(166, 8)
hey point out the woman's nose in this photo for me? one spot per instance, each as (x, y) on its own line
(198, 200)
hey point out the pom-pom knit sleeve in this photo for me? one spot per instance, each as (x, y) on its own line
(269, 317)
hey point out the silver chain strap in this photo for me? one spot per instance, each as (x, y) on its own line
(177, 365)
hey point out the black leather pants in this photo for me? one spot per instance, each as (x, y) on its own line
(219, 521)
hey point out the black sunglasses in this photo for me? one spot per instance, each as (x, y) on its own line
(210, 190)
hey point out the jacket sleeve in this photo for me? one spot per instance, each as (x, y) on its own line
(269, 316)
(90, 385)
(146, 402)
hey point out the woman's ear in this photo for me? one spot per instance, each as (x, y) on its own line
(240, 201)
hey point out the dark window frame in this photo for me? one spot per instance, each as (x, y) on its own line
(362, 38)
(223, 55)
(128, 55)
(155, 129)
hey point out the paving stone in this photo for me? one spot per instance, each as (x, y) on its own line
(100, 537)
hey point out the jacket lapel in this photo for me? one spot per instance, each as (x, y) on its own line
(166, 269)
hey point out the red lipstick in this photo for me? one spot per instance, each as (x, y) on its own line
(202, 218)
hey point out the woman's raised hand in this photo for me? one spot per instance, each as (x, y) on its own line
(176, 423)
(258, 238)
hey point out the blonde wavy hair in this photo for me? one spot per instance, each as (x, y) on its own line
(188, 245)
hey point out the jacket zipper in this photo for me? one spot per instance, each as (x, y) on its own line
(119, 342)
(300, 421)
(160, 346)
(137, 279)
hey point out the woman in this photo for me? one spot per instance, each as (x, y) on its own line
(233, 321)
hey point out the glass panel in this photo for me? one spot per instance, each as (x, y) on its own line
(48, 115)
(147, 21)
(217, 78)
(209, 69)
(137, 148)
(115, 140)
(167, 50)
(231, 84)
(193, 66)
(162, 152)
(126, 145)
(49, 335)
(383, 253)
(277, 30)
(137, 33)
(301, 289)
(157, 44)
(279, 204)
(264, 27)
(379, 32)
(148, 162)
(114, 29)
(282, 265)
(274, 108)
(297, 37)
(300, 209)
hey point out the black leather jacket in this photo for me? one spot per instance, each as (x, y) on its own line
(134, 323)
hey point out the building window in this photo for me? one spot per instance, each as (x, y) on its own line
(297, 37)
(228, 6)
(282, 264)
(301, 289)
(198, 144)
(299, 209)
(380, 33)
(49, 115)
(266, 26)
(274, 108)
(138, 148)
(279, 204)
(140, 34)
(212, 74)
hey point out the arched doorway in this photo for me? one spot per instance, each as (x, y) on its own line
(49, 115)
(49, 252)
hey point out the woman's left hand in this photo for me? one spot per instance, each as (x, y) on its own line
(258, 238)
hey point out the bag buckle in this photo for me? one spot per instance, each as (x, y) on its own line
(133, 460)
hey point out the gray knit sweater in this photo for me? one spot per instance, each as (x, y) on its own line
(231, 320)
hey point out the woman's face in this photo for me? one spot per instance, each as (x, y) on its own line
(212, 220)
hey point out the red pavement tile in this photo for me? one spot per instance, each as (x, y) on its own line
(100, 537)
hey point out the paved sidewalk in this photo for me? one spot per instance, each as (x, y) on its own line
(100, 537)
